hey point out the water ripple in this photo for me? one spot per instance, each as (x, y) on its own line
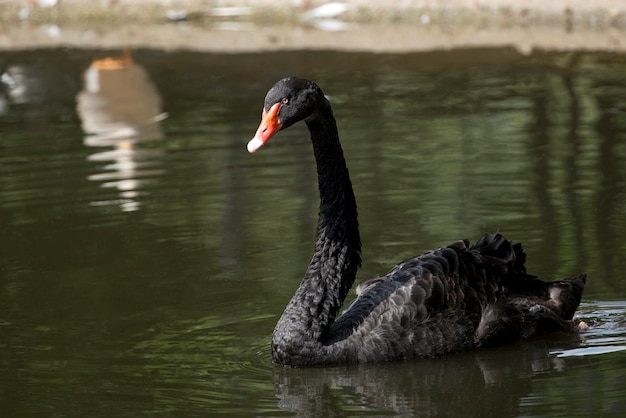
(606, 333)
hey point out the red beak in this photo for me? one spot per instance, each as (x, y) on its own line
(270, 124)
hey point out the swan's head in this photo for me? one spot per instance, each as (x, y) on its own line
(290, 100)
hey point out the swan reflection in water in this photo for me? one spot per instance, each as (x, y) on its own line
(489, 383)
(120, 107)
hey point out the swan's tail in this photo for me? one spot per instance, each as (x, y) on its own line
(501, 256)
(565, 295)
(527, 306)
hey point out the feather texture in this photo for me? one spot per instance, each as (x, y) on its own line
(454, 298)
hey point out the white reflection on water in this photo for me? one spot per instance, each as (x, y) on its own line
(21, 84)
(120, 107)
(606, 333)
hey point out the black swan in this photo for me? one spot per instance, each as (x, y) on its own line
(454, 298)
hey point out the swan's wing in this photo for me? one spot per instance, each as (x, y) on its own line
(454, 298)
(410, 293)
(452, 284)
(367, 284)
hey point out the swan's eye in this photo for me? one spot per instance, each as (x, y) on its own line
(285, 101)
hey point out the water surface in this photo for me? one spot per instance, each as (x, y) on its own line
(145, 255)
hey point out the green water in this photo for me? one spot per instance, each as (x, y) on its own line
(144, 275)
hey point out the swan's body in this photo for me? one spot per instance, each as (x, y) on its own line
(451, 299)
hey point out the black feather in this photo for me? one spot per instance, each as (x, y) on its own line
(451, 299)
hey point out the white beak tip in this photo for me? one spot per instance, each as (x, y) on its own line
(254, 145)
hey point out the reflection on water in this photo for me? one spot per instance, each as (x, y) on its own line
(21, 84)
(607, 322)
(120, 107)
(495, 382)
(169, 310)
(487, 383)
(592, 381)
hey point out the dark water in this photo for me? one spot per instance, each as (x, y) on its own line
(145, 255)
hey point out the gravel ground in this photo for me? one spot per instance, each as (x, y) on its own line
(363, 25)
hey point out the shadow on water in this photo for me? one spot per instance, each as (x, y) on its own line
(158, 291)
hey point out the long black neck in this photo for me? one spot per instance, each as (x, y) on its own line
(338, 246)
(305, 325)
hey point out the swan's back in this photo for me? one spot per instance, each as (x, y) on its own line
(452, 299)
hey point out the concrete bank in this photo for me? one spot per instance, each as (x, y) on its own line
(358, 25)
